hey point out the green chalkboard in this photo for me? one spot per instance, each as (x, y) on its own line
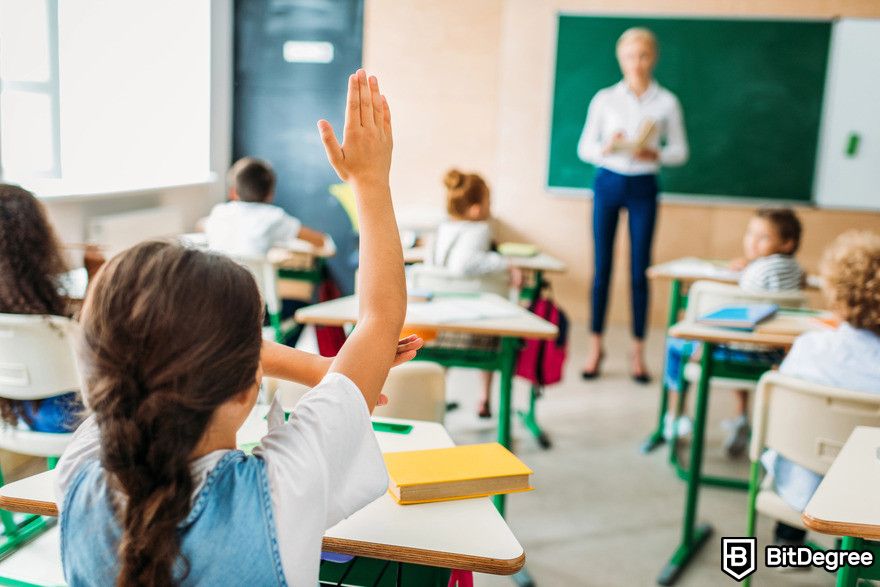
(751, 92)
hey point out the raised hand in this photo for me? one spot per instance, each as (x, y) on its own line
(365, 152)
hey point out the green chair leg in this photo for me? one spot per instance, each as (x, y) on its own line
(754, 486)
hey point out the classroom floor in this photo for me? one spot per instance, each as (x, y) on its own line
(602, 514)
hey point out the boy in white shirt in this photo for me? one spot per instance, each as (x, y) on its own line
(249, 224)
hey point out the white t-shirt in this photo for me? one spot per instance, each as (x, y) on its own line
(618, 109)
(249, 228)
(323, 465)
(463, 247)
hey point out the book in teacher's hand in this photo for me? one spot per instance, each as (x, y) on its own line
(744, 317)
(460, 472)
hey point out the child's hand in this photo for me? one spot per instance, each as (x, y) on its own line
(611, 145)
(365, 153)
(739, 264)
(406, 349)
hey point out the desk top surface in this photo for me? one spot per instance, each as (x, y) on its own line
(466, 534)
(539, 262)
(487, 314)
(779, 331)
(690, 269)
(846, 504)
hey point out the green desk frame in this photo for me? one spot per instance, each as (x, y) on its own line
(19, 529)
(315, 276)
(370, 572)
(693, 535)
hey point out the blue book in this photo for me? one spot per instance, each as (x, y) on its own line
(742, 317)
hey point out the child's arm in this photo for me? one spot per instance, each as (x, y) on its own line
(364, 160)
(282, 362)
(310, 235)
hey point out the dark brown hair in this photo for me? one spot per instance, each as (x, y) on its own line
(31, 264)
(463, 190)
(169, 334)
(253, 179)
(786, 224)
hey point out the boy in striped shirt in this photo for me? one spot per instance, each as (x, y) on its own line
(771, 239)
(770, 242)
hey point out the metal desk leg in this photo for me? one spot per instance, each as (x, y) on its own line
(530, 420)
(676, 304)
(507, 359)
(693, 536)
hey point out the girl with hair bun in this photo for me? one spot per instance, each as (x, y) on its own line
(172, 359)
(463, 243)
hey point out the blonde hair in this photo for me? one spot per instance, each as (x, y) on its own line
(850, 270)
(637, 34)
(464, 190)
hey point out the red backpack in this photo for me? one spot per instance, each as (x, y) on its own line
(542, 361)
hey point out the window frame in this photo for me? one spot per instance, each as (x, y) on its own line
(50, 88)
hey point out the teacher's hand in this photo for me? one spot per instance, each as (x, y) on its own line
(646, 154)
(613, 142)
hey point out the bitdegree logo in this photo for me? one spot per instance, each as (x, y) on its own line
(803, 556)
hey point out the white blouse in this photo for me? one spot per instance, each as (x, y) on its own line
(617, 109)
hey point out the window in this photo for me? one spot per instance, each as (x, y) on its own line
(105, 95)
(29, 135)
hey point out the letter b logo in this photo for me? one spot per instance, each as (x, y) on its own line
(738, 557)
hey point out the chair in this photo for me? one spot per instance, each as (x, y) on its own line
(440, 279)
(265, 272)
(806, 423)
(37, 361)
(416, 391)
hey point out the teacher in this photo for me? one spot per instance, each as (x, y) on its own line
(632, 128)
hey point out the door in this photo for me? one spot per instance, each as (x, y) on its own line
(292, 60)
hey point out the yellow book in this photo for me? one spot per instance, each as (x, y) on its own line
(461, 472)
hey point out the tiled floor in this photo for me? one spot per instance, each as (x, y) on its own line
(602, 514)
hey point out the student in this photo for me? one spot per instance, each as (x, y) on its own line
(463, 243)
(771, 239)
(31, 265)
(249, 224)
(848, 357)
(174, 358)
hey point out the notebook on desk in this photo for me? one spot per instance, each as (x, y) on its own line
(518, 249)
(741, 317)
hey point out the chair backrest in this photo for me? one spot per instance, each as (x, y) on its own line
(706, 296)
(37, 357)
(808, 423)
(439, 279)
(266, 275)
(416, 391)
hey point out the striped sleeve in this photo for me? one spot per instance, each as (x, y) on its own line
(773, 273)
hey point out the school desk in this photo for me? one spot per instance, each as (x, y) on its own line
(846, 504)
(778, 332)
(466, 534)
(534, 267)
(298, 261)
(681, 273)
(488, 315)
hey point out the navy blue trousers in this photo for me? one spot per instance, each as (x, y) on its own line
(638, 195)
